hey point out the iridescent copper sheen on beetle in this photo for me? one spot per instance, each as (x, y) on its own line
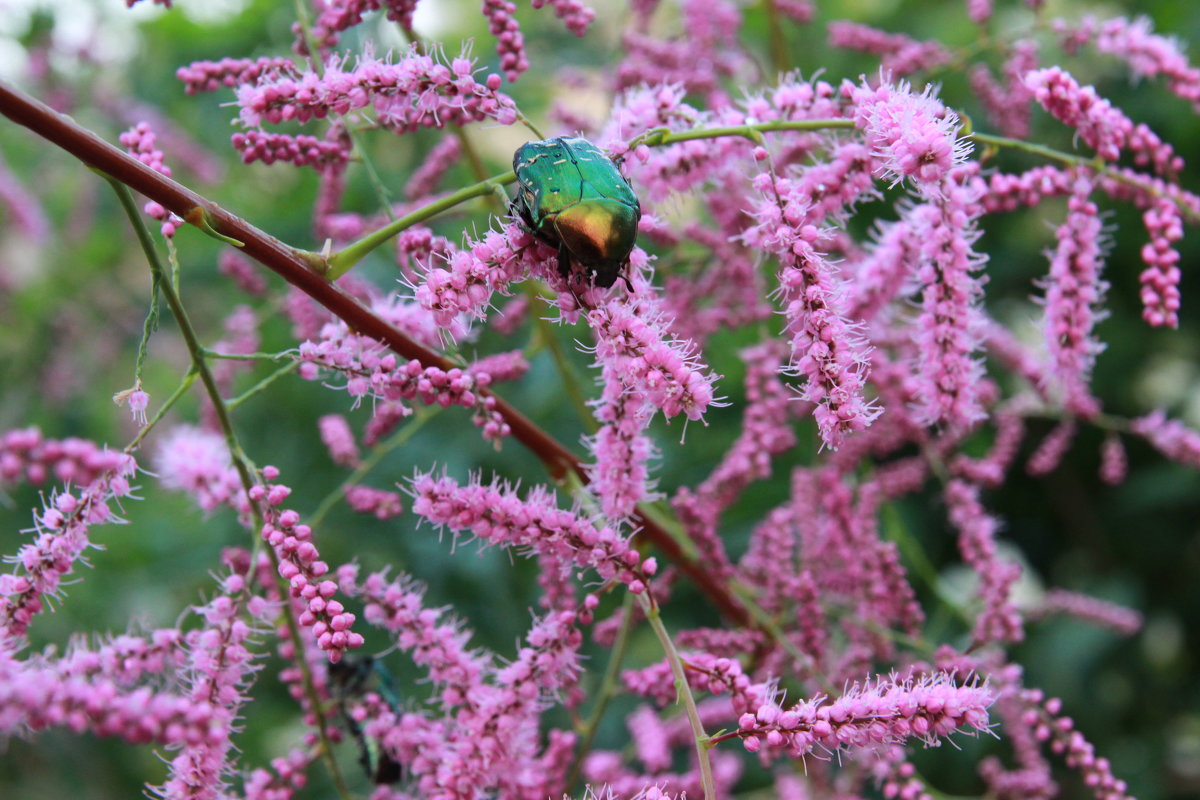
(574, 198)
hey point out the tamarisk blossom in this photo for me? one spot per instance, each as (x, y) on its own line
(140, 141)
(34, 697)
(999, 620)
(497, 516)
(1104, 128)
(1170, 437)
(707, 51)
(899, 54)
(948, 335)
(61, 536)
(1117, 618)
(1148, 54)
(886, 711)
(1074, 294)
(218, 671)
(643, 370)
(197, 461)
(912, 136)
(574, 14)
(209, 76)
(339, 439)
(487, 735)
(510, 42)
(371, 371)
(380, 503)
(1162, 275)
(472, 274)
(412, 92)
(300, 565)
(827, 350)
(301, 150)
(1113, 462)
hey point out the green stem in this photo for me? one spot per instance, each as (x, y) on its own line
(341, 261)
(684, 693)
(240, 461)
(286, 369)
(1095, 163)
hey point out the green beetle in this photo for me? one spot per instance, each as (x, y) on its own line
(574, 198)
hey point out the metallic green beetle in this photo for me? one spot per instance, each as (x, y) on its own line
(574, 198)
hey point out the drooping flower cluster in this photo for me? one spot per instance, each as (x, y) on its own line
(301, 566)
(826, 349)
(1074, 292)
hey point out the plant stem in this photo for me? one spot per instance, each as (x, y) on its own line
(240, 461)
(684, 694)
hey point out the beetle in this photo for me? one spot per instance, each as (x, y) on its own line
(573, 197)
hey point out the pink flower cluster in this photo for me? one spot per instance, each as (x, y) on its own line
(1103, 127)
(413, 92)
(302, 151)
(499, 517)
(371, 371)
(61, 533)
(1160, 280)
(300, 565)
(140, 141)
(826, 349)
(912, 135)
(1074, 293)
(1119, 619)
(901, 55)
(380, 503)
(209, 76)
(574, 14)
(510, 44)
(472, 274)
(999, 619)
(886, 712)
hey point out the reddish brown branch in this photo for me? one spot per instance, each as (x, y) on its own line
(294, 266)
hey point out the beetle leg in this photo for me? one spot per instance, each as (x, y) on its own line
(564, 262)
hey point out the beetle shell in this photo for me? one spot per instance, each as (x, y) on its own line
(573, 197)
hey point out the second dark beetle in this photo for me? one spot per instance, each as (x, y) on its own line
(574, 198)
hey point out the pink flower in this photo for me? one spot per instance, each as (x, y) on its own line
(912, 136)
(339, 439)
(1160, 280)
(999, 620)
(412, 92)
(888, 711)
(300, 565)
(900, 54)
(947, 335)
(1074, 294)
(499, 517)
(197, 461)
